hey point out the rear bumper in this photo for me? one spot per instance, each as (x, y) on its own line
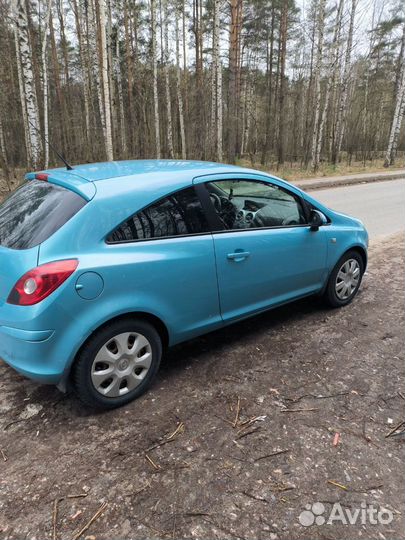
(29, 353)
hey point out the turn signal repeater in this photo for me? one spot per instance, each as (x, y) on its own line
(40, 282)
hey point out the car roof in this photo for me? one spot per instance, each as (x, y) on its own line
(148, 177)
(95, 172)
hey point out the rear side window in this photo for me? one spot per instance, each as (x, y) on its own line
(179, 214)
(34, 212)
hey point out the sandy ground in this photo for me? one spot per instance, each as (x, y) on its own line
(186, 461)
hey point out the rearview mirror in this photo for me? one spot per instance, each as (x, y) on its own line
(316, 220)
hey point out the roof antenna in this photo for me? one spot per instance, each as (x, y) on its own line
(68, 167)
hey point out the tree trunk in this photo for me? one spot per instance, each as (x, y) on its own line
(334, 59)
(28, 90)
(3, 156)
(266, 147)
(283, 49)
(155, 79)
(104, 78)
(45, 82)
(341, 116)
(217, 82)
(118, 75)
(167, 81)
(397, 120)
(178, 88)
(129, 66)
(77, 8)
(22, 97)
(234, 67)
(317, 82)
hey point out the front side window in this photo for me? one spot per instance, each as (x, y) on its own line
(178, 214)
(246, 204)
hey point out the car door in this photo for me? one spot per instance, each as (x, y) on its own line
(163, 261)
(266, 253)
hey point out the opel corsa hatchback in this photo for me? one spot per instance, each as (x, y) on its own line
(105, 265)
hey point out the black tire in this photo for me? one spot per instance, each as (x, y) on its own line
(330, 295)
(82, 367)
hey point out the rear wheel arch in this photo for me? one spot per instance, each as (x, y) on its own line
(157, 323)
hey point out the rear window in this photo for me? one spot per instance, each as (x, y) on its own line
(34, 212)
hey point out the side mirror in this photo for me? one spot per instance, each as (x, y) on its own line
(316, 220)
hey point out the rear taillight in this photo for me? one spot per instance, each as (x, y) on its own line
(40, 282)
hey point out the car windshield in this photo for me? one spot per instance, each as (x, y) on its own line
(34, 212)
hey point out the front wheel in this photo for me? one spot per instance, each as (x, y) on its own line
(117, 364)
(345, 279)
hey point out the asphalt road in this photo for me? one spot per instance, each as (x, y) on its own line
(380, 205)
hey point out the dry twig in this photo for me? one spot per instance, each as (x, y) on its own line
(91, 520)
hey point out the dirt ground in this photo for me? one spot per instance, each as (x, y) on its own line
(184, 461)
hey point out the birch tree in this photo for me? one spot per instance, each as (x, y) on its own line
(27, 90)
(331, 80)
(44, 57)
(341, 116)
(166, 57)
(118, 76)
(397, 119)
(105, 81)
(178, 88)
(317, 82)
(155, 79)
(216, 85)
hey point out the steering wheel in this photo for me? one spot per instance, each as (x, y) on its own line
(289, 221)
(216, 201)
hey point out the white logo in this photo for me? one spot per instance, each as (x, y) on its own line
(315, 513)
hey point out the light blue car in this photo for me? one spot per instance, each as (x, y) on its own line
(104, 266)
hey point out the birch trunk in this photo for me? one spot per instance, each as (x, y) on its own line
(44, 57)
(3, 157)
(155, 79)
(178, 87)
(167, 81)
(317, 83)
(22, 98)
(104, 78)
(28, 91)
(96, 63)
(341, 116)
(120, 96)
(396, 121)
(282, 57)
(78, 12)
(334, 59)
(217, 84)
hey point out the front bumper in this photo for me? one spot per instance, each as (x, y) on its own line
(30, 353)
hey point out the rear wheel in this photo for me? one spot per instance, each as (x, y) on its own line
(345, 279)
(117, 364)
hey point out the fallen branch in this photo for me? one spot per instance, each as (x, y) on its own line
(235, 422)
(298, 410)
(91, 521)
(150, 460)
(246, 433)
(278, 453)
(341, 486)
(396, 428)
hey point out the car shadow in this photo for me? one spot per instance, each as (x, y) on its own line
(236, 333)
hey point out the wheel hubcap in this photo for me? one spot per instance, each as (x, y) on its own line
(121, 364)
(347, 279)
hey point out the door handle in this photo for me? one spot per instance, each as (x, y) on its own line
(238, 255)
